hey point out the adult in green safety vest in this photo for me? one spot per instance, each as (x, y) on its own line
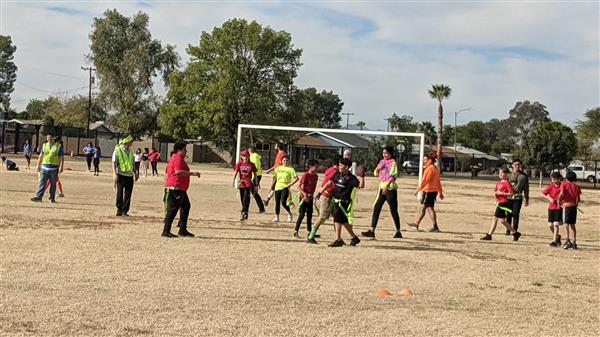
(124, 174)
(49, 165)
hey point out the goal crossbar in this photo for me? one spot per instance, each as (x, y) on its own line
(359, 132)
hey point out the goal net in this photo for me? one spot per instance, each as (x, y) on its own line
(316, 143)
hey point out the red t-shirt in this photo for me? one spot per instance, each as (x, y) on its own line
(503, 186)
(308, 183)
(154, 156)
(245, 169)
(329, 173)
(177, 163)
(571, 192)
(553, 192)
(279, 158)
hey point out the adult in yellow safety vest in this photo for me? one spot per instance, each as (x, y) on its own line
(124, 174)
(49, 165)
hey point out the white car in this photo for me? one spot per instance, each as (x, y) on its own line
(582, 173)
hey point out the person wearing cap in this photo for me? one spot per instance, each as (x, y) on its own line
(431, 188)
(246, 171)
(176, 186)
(124, 174)
(256, 159)
(50, 163)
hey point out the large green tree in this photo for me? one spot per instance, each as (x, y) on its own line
(8, 73)
(319, 109)
(549, 144)
(588, 134)
(127, 59)
(439, 92)
(523, 117)
(241, 72)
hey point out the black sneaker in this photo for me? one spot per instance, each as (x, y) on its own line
(337, 243)
(553, 244)
(52, 201)
(246, 216)
(34, 199)
(241, 216)
(398, 235)
(486, 237)
(261, 211)
(168, 235)
(574, 245)
(368, 234)
(568, 244)
(413, 226)
(119, 214)
(296, 234)
(124, 214)
(434, 229)
(517, 235)
(184, 232)
(355, 240)
(312, 241)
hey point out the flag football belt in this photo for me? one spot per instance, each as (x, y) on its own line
(504, 208)
(347, 212)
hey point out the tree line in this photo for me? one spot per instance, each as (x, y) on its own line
(243, 72)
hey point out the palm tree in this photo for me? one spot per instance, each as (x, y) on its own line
(440, 92)
(429, 130)
(361, 124)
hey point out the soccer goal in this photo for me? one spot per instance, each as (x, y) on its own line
(421, 136)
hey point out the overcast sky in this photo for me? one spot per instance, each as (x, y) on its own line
(379, 57)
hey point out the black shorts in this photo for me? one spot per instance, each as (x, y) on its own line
(570, 215)
(338, 214)
(500, 213)
(555, 215)
(428, 199)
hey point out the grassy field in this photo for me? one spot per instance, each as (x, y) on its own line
(75, 269)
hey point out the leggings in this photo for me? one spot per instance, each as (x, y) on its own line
(245, 198)
(88, 161)
(154, 167)
(305, 208)
(97, 165)
(513, 218)
(281, 198)
(391, 196)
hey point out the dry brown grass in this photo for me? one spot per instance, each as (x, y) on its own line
(74, 269)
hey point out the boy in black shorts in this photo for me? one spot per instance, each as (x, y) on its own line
(502, 192)
(569, 197)
(344, 184)
(555, 212)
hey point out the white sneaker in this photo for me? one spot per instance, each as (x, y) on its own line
(289, 219)
(276, 219)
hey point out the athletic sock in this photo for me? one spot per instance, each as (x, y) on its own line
(313, 232)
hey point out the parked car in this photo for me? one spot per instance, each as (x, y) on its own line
(582, 173)
(411, 166)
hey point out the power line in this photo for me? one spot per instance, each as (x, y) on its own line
(54, 74)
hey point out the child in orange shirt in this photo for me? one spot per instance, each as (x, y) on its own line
(431, 187)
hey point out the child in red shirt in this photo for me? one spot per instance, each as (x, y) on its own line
(308, 184)
(570, 195)
(555, 214)
(502, 191)
(246, 171)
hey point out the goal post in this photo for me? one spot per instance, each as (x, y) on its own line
(359, 132)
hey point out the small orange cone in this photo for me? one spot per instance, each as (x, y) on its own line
(383, 293)
(406, 292)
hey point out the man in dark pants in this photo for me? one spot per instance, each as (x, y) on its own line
(123, 174)
(176, 185)
(520, 184)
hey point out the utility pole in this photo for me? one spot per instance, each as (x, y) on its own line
(90, 69)
(388, 124)
(455, 115)
(347, 114)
